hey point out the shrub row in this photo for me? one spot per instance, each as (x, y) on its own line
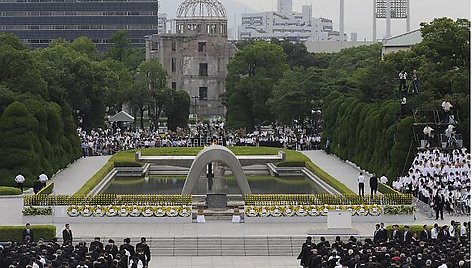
(368, 134)
(5, 190)
(14, 233)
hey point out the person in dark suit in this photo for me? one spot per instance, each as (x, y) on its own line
(377, 234)
(127, 249)
(407, 235)
(396, 234)
(27, 234)
(383, 233)
(67, 235)
(96, 245)
(306, 251)
(439, 205)
(111, 247)
(425, 235)
(374, 184)
(144, 252)
(38, 185)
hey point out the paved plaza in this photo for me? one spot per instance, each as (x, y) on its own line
(338, 169)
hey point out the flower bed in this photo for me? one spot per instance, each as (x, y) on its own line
(37, 211)
(107, 199)
(321, 199)
(129, 211)
(310, 210)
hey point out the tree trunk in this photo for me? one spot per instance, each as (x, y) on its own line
(141, 121)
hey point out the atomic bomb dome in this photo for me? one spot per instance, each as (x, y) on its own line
(201, 9)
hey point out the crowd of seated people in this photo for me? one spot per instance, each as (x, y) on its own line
(437, 172)
(43, 254)
(109, 141)
(401, 248)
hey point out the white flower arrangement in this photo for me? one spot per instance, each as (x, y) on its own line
(111, 211)
(250, 211)
(147, 211)
(73, 211)
(159, 212)
(289, 211)
(186, 211)
(98, 211)
(123, 212)
(135, 212)
(172, 212)
(276, 212)
(300, 211)
(87, 211)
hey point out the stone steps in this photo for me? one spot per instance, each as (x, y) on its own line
(219, 246)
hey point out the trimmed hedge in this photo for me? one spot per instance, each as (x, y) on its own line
(5, 190)
(48, 189)
(385, 189)
(127, 164)
(14, 233)
(95, 179)
(291, 164)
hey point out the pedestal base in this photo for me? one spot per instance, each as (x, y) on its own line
(216, 200)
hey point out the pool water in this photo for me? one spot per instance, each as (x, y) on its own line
(173, 185)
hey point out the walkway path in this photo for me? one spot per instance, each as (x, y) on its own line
(69, 180)
(339, 169)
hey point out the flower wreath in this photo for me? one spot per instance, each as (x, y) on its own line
(250, 211)
(276, 212)
(111, 211)
(135, 211)
(301, 212)
(375, 210)
(147, 211)
(264, 212)
(172, 212)
(87, 211)
(159, 212)
(185, 211)
(313, 211)
(362, 211)
(99, 211)
(289, 211)
(73, 211)
(123, 212)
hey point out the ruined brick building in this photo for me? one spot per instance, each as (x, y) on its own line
(195, 54)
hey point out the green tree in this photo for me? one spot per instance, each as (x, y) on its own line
(252, 74)
(179, 110)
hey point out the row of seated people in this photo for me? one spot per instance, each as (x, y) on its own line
(43, 254)
(401, 248)
(436, 172)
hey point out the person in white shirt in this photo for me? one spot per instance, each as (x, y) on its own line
(361, 180)
(434, 232)
(383, 179)
(464, 229)
(20, 179)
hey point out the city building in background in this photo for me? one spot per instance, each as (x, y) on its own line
(401, 42)
(284, 23)
(38, 22)
(195, 52)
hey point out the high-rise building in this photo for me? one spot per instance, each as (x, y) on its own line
(284, 23)
(195, 52)
(38, 22)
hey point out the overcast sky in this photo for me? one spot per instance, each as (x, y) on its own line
(358, 13)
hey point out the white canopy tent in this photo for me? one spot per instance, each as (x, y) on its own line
(121, 117)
